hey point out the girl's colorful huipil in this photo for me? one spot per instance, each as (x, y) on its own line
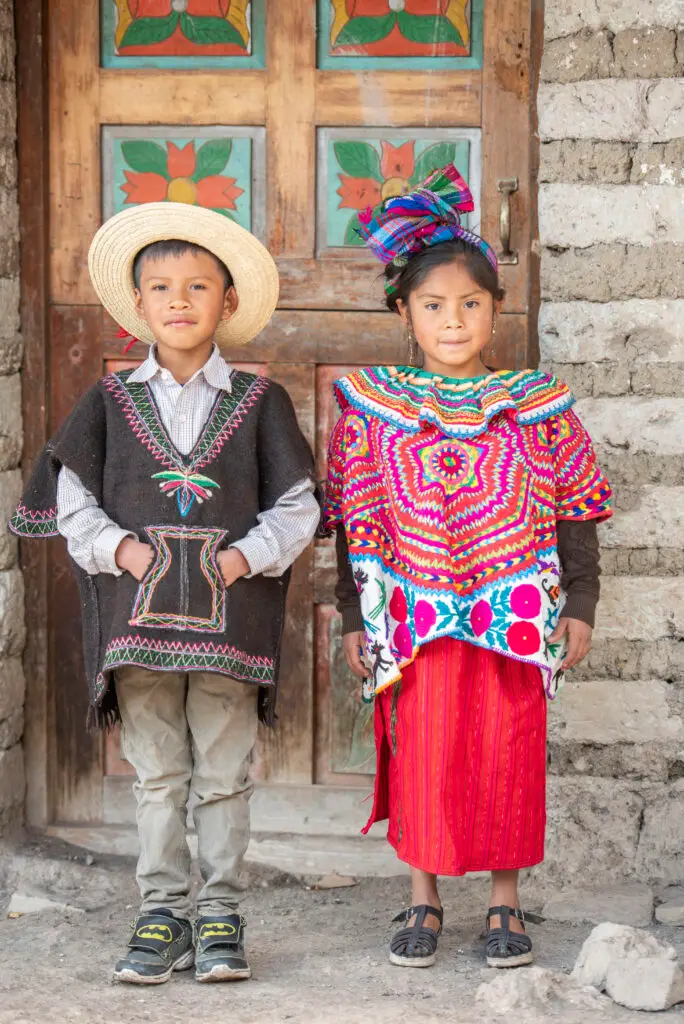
(449, 493)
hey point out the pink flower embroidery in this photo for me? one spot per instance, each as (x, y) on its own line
(481, 618)
(525, 601)
(398, 608)
(425, 616)
(523, 638)
(402, 640)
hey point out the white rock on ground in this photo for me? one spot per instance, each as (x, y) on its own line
(536, 988)
(655, 983)
(631, 903)
(27, 903)
(634, 968)
(672, 910)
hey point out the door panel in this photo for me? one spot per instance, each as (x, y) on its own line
(302, 129)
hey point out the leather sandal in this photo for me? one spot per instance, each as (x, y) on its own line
(504, 948)
(416, 946)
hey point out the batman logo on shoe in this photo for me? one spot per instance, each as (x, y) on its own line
(217, 929)
(159, 932)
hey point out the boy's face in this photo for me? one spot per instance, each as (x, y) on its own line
(183, 299)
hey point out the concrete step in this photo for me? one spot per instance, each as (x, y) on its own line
(302, 855)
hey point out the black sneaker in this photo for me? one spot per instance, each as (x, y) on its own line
(220, 949)
(160, 944)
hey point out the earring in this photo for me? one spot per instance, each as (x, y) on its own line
(411, 339)
(493, 326)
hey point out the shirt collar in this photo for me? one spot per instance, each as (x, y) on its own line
(216, 370)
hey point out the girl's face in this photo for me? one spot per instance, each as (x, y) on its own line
(452, 319)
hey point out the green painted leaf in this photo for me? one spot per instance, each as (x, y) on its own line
(426, 29)
(358, 159)
(223, 212)
(207, 30)
(145, 31)
(352, 235)
(359, 31)
(212, 157)
(145, 156)
(432, 158)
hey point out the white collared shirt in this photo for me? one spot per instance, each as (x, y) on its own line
(270, 547)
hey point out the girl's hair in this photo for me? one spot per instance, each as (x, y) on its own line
(420, 265)
(176, 247)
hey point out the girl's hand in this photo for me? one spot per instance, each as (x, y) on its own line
(354, 647)
(579, 640)
(134, 557)
(232, 565)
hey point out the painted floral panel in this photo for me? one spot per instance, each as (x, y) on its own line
(210, 172)
(182, 33)
(363, 173)
(400, 28)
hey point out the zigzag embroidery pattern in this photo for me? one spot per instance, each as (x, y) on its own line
(174, 656)
(226, 416)
(34, 522)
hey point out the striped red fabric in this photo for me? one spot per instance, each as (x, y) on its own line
(461, 743)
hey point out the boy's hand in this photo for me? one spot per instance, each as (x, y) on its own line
(354, 647)
(134, 557)
(232, 565)
(579, 640)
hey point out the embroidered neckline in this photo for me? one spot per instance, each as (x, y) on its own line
(226, 415)
(417, 402)
(180, 477)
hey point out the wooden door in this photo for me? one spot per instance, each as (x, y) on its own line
(289, 117)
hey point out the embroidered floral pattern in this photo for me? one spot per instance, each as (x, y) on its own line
(186, 486)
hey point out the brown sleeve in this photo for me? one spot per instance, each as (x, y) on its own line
(348, 601)
(578, 550)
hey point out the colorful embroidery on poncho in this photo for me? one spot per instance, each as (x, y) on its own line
(449, 494)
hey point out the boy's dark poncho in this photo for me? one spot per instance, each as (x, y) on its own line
(180, 617)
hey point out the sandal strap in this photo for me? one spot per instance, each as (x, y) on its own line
(505, 913)
(421, 910)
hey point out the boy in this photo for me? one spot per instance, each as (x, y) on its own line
(185, 492)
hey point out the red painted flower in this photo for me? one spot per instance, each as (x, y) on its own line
(523, 638)
(403, 641)
(178, 174)
(358, 193)
(425, 618)
(397, 606)
(481, 618)
(526, 601)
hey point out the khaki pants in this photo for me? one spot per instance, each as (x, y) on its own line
(189, 734)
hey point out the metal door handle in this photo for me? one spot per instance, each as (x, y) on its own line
(506, 186)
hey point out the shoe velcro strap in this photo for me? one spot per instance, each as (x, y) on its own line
(219, 931)
(155, 932)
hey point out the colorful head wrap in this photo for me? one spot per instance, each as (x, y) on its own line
(427, 216)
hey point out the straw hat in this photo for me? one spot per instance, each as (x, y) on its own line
(120, 239)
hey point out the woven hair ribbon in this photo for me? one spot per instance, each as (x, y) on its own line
(427, 216)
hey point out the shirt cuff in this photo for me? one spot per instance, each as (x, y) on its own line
(580, 605)
(352, 619)
(105, 546)
(256, 554)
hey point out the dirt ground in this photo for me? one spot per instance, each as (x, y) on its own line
(317, 956)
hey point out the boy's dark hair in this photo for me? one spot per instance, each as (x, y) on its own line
(175, 247)
(456, 251)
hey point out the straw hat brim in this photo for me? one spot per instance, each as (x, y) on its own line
(120, 239)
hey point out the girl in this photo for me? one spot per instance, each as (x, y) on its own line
(465, 502)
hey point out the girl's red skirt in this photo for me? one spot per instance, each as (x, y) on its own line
(461, 765)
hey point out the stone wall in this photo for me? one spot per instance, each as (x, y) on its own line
(611, 204)
(11, 589)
